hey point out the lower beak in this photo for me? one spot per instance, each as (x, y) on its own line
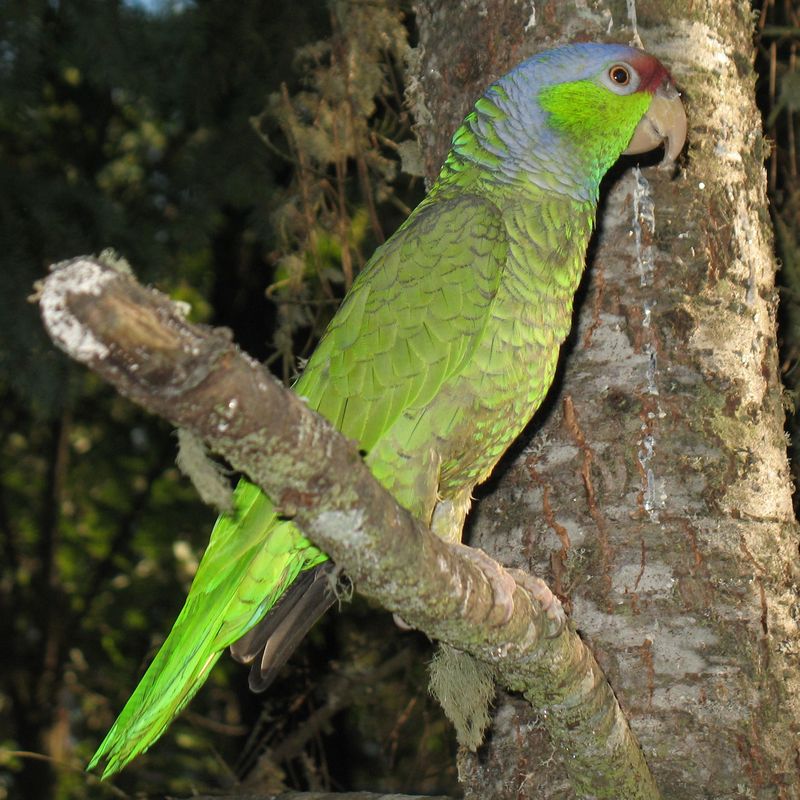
(664, 123)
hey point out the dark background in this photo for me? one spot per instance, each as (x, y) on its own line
(242, 157)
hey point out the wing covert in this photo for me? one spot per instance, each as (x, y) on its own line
(411, 320)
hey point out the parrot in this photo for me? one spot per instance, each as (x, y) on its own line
(438, 357)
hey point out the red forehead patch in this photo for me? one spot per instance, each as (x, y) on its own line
(651, 72)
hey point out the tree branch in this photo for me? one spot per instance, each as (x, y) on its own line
(192, 375)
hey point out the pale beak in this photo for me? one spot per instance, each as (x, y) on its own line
(664, 123)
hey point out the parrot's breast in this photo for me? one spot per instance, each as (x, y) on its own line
(479, 411)
(507, 380)
(513, 366)
(438, 451)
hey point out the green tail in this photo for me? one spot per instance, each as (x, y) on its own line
(221, 607)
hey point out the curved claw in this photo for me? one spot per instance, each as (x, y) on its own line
(502, 583)
(542, 594)
(401, 623)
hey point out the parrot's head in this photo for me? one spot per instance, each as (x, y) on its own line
(561, 118)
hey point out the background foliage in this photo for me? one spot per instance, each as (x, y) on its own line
(778, 32)
(245, 161)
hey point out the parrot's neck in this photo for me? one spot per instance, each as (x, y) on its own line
(508, 141)
(507, 155)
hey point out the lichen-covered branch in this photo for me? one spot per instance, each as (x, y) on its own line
(195, 377)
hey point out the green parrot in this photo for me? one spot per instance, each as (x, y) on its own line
(438, 357)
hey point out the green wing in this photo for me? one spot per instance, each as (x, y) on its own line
(411, 320)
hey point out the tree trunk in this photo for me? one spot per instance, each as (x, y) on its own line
(653, 493)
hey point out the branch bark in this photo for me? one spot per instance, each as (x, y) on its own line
(195, 377)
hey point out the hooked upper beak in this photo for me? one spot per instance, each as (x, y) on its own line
(664, 122)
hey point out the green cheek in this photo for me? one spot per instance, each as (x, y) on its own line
(595, 119)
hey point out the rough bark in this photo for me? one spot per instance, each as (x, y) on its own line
(654, 492)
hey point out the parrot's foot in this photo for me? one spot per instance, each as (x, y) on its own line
(541, 592)
(503, 585)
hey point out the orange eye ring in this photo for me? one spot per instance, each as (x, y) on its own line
(620, 75)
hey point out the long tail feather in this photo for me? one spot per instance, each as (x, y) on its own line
(250, 561)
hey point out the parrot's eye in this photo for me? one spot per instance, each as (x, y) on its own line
(619, 75)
